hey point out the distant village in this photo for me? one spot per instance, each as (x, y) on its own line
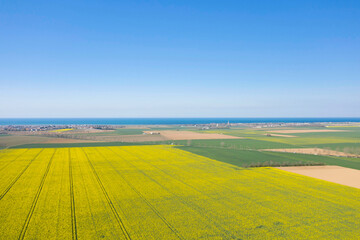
(44, 128)
(40, 128)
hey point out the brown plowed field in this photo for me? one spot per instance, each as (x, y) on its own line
(67, 140)
(345, 176)
(313, 151)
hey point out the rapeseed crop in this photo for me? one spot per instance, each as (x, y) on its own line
(161, 192)
(62, 130)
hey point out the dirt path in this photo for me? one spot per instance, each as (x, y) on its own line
(313, 151)
(345, 176)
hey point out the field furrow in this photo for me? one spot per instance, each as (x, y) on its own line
(36, 198)
(140, 195)
(53, 205)
(243, 186)
(72, 200)
(19, 170)
(15, 205)
(177, 191)
(202, 198)
(94, 218)
(209, 199)
(111, 205)
(162, 192)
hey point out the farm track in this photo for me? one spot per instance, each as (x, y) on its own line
(223, 188)
(134, 192)
(194, 208)
(33, 205)
(112, 207)
(72, 201)
(173, 229)
(228, 204)
(18, 176)
(296, 189)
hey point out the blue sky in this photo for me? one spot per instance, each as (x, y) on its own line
(180, 58)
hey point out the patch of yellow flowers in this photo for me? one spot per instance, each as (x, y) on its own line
(62, 130)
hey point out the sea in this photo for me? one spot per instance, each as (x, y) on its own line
(161, 121)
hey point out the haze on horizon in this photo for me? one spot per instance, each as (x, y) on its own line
(180, 58)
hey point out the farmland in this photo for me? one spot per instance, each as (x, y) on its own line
(162, 192)
(62, 130)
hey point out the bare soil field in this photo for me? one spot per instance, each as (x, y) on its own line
(307, 131)
(188, 135)
(313, 151)
(126, 138)
(280, 135)
(67, 140)
(345, 176)
(9, 141)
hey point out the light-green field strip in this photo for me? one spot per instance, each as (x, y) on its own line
(160, 192)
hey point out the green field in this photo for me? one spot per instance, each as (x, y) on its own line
(244, 152)
(161, 192)
(243, 144)
(351, 135)
(119, 131)
(244, 158)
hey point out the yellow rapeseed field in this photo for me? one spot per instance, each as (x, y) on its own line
(160, 192)
(62, 130)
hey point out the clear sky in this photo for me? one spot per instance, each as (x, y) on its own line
(185, 58)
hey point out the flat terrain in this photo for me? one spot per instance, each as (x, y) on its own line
(306, 130)
(14, 140)
(66, 140)
(188, 135)
(124, 138)
(280, 135)
(313, 151)
(62, 130)
(305, 137)
(345, 176)
(160, 192)
(245, 158)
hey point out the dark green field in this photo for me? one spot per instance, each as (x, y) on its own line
(243, 158)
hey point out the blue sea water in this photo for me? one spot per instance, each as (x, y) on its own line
(155, 121)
